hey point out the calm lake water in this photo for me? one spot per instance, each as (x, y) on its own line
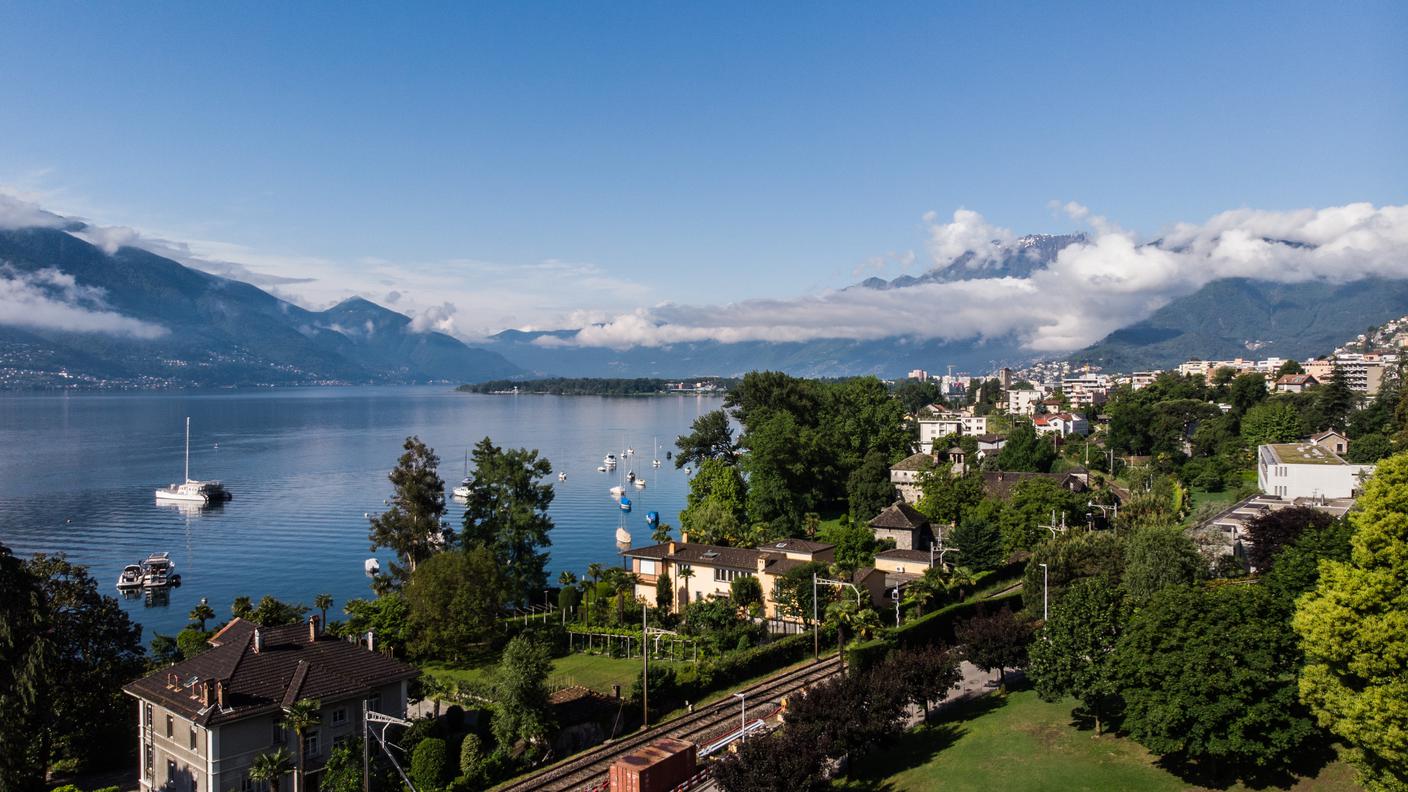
(77, 475)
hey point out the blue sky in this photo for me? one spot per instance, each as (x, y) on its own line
(613, 155)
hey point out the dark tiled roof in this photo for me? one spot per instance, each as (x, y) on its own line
(900, 516)
(914, 462)
(289, 667)
(781, 566)
(1000, 484)
(701, 554)
(918, 556)
(797, 546)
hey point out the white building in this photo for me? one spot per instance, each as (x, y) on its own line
(905, 473)
(936, 425)
(1023, 402)
(1307, 470)
(1061, 424)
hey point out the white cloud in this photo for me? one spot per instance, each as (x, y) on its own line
(1093, 288)
(437, 319)
(51, 300)
(16, 212)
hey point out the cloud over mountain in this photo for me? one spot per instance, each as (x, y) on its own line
(52, 300)
(1105, 281)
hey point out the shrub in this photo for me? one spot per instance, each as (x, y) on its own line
(430, 764)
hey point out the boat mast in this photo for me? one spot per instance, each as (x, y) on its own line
(188, 448)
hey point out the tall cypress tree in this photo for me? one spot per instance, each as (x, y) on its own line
(24, 664)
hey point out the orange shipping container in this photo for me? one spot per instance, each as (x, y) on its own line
(658, 767)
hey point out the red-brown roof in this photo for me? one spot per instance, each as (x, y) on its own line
(288, 667)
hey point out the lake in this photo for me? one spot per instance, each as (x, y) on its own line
(78, 472)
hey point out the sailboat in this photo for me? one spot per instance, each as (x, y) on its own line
(192, 491)
(622, 535)
(462, 491)
(655, 462)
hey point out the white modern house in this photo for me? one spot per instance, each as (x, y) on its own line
(1023, 402)
(935, 424)
(1307, 470)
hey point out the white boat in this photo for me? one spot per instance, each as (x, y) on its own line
(158, 571)
(609, 461)
(618, 490)
(462, 491)
(193, 491)
(686, 471)
(562, 476)
(631, 475)
(622, 535)
(630, 452)
(656, 461)
(640, 483)
(131, 577)
(601, 468)
(371, 566)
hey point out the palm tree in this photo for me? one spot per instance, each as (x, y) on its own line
(271, 767)
(302, 716)
(661, 534)
(566, 578)
(958, 577)
(594, 571)
(322, 602)
(201, 613)
(847, 614)
(925, 590)
(684, 574)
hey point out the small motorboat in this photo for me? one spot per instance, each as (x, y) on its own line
(158, 571)
(562, 476)
(625, 504)
(130, 578)
(630, 475)
(686, 471)
(669, 455)
(618, 490)
(601, 468)
(630, 452)
(371, 566)
(609, 461)
(640, 483)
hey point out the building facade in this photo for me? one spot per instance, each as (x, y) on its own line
(1307, 470)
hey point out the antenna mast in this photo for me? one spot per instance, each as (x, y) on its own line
(188, 448)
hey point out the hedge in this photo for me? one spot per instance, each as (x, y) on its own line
(931, 628)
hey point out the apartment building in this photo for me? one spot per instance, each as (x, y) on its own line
(1308, 470)
(201, 722)
(713, 568)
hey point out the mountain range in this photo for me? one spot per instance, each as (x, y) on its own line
(165, 324)
(178, 326)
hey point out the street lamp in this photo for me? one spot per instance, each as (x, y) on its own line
(743, 721)
(895, 595)
(1044, 589)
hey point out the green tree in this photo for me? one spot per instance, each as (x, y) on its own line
(869, 489)
(914, 395)
(1073, 556)
(301, 716)
(507, 513)
(1333, 401)
(241, 607)
(1354, 631)
(343, 771)
(388, 616)
(851, 619)
(473, 760)
(664, 591)
(96, 649)
(710, 437)
(1369, 448)
(793, 593)
(201, 613)
(26, 665)
(1073, 653)
(191, 642)
(948, 498)
(413, 527)
(1034, 503)
(855, 543)
(1271, 422)
(1208, 676)
(274, 612)
(521, 709)
(745, 590)
(270, 767)
(1245, 391)
(1156, 557)
(716, 505)
(979, 540)
(430, 764)
(661, 534)
(452, 600)
(322, 602)
(1268, 534)
(1025, 451)
(1289, 367)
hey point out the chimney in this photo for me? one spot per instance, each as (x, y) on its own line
(206, 692)
(258, 641)
(684, 537)
(371, 641)
(762, 562)
(672, 547)
(220, 693)
(314, 628)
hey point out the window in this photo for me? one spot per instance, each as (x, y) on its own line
(728, 575)
(193, 737)
(339, 716)
(170, 770)
(374, 703)
(647, 566)
(280, 736)
(310, 743)
(170, 726)
(147, 711)
(147, 759)
(246, 783)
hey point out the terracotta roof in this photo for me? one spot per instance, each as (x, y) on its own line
(288, 667)
(914, 462)
(1295, 379)
(901, 516)
(999, 484)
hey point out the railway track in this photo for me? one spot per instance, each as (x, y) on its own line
(590, 768)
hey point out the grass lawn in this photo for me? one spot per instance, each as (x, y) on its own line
(1197, 497)
(1021, 742)
(597, 672)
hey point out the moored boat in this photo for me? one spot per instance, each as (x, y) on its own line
(130, 577)
(192, 490)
